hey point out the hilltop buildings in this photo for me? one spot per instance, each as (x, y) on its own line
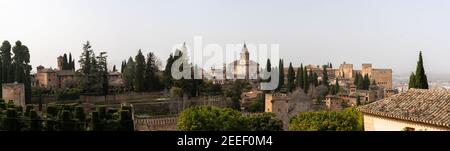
(59, 78)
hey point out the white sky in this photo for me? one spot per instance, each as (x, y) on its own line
(387, 33)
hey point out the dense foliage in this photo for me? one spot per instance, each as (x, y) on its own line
(64, 118)
(93, 71)
(16, 68)
(347, 120)
(362, 82)
(68, 94)
(225, 119)
(140, 73)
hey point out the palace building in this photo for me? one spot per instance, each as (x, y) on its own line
(244, 68)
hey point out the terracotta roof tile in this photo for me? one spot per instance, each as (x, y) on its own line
(418, 105)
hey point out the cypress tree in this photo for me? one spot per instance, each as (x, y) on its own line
(290, 78)
(305, 80)
(268, 69)
(412, 81)
(71, 62)
(65, 65)
(325, 80)
(152, 82)
(268, 65)
(366, 82)
(336, 87)
(36, 122)
(421, 77)
(311, 78)
(358, 100)
(298, 77)
(301, 81)
(316, 80)
(168, 80)
(5, 52)
(126, 121)
(139, 72)
(356, 81)
(281, 75)
(129, 74)
(124, 65)
(11, 121)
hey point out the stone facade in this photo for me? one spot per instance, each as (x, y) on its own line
(333, 103)
(244, 68)
(345, 71)
(278, 103)
(380, 123)
(57, 78)
(14, 92)
(382, 77)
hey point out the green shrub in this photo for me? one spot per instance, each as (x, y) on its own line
(347, 120)
(68, 94)
(11, 121)
(101, 112)
(35, 121)
(52, 111)
(225, 119)
(126, 121)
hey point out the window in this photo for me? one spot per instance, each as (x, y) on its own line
(408, 129)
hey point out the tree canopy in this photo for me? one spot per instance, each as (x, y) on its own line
(347, 120)
(209, 118)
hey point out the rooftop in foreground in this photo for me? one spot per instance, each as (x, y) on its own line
(417, 105)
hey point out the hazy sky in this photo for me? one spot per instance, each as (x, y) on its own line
(387, 33)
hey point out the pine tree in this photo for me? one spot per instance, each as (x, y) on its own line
(86, 68)
(290, 78)
(139, 72)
